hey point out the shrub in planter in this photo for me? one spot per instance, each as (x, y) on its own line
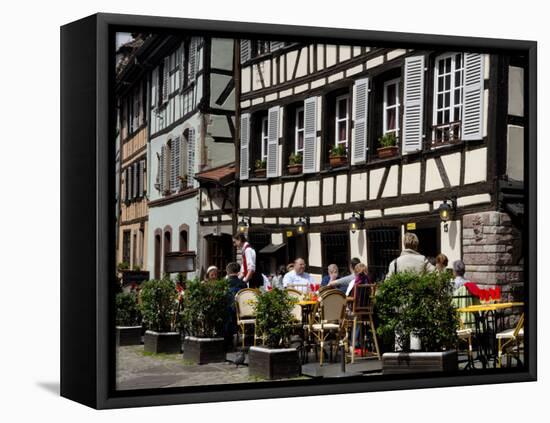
(205, 311)
(260, 168)
(274, 323)
(418, 304)
(128, 319)
(388, 145)
(294, 164)
(338, 156)
(158, 305)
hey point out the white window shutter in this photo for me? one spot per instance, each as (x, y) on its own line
(309, 158)
(276, 45)
(272, 141)
(245, 139)
(413, 104)
(472, 103)
(134, 180)
(182, 67)
(166, 79)
(160, 176)
(192, 59)
(154, 87)
(245, 50)
(141, 178)
(360, 114)
(191, 145)
(175, 165)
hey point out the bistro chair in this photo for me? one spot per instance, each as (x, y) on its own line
(362, 313)
(509, 342)
(328, 318)
(294, 293)
(246, 314)
(465, 331)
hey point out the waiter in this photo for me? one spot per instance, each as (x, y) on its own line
(249, 273)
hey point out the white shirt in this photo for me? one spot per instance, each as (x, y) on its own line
(250, 255)
(299, 282)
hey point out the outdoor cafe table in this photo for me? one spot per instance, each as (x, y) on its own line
(486, 327)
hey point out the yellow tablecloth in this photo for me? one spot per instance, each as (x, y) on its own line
(488, 307)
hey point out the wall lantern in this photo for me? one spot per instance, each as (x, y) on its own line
(301, 225)
(356, 221)
(243, 225)
(446, 211)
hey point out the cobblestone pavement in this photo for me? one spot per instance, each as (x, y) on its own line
(136, 370)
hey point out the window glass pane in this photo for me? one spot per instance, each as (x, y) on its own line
(391, 94)
(390, 119)
(441, 70)
(439, 117)
(440, 84)
(448, 82)
(447, 65)
(458, 61)
(446, 116)
(439, 101)
(300, 144)
(342, 131)
(447, 99)
(457, 78)
(300, 119)
(264, 127)
(457, 96)
(456, 116)
(342, 108)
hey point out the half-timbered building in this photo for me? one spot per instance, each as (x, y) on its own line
(191, 110)
(131, 90)
(457, 119)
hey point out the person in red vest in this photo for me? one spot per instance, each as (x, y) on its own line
(249, 273)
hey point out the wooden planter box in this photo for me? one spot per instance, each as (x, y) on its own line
(260, 173)
(162, 342)
(338, 161)
(128, 335)
(204, 350)
(273, 363)
(419, 362)
(294, 169)
(134, 276)
(385, 152)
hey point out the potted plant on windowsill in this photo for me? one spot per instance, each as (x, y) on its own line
(260, 168)
(131, 276)
(295, 164)
(338, 156)
(418, 304)
(205, 310)
(128, 319)
(158, 305)
(275, 359)
(388, 146)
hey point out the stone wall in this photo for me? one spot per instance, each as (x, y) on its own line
(492, 251)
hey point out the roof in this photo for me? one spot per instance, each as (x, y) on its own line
(221, 175)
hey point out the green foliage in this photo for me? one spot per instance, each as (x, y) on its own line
(295, 159)
(205, 307)
(136, 268)
(127, 309)
(260, 164)
(123, 265)
(158, 304)
(419, 303)
(388, 140)
(338, 151)
(274, 317)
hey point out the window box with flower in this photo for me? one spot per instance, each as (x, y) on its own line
(260, 168)
(294, 164)
(388, 146)
(338, 156)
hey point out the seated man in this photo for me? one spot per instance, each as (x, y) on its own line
(343, 283)
(298, 278)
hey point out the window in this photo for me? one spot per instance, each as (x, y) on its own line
(262, 47)
(183, 240)
(448, 88)
(342, 120)
(299, 131)
(126, 247)
(383, 245)
(391, 107)
(264, 138)
(335, 247)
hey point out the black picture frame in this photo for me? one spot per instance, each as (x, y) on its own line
(87, 179)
